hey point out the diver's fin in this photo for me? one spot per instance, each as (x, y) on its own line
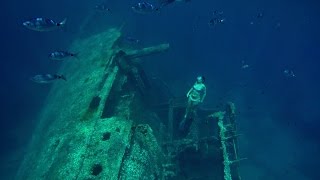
(182, 124)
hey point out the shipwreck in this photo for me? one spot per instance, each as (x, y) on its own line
(111, 121)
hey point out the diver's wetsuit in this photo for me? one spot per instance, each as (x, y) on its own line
(194, 96)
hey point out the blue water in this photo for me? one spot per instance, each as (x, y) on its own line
(278, 115)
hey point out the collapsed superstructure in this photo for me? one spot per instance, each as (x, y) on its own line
(107, 122)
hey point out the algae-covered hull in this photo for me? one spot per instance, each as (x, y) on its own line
(83, 131)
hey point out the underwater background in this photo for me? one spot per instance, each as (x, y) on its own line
(278, 114)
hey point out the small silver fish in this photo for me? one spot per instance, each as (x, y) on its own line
(132, 40)
(102, 8)
(43, 24)
(61, 55)
(245, 66)
(289, 73)
(216, 21)
(144, 8)
(167, 2)
(217, 18)
(47, 78)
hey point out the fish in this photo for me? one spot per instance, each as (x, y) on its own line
(132, 40)
(244, 65)
(215, 21)
(43, 24)
(217, 18)
(289, 73)
(144, 8)
(167, 2)
(102, 8)
(61, 55)
(47, 78)
(260, 15)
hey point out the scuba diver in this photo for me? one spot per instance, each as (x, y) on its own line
(195, 96)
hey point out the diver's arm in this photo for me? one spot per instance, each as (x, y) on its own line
(189, 92)
(204, 93)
